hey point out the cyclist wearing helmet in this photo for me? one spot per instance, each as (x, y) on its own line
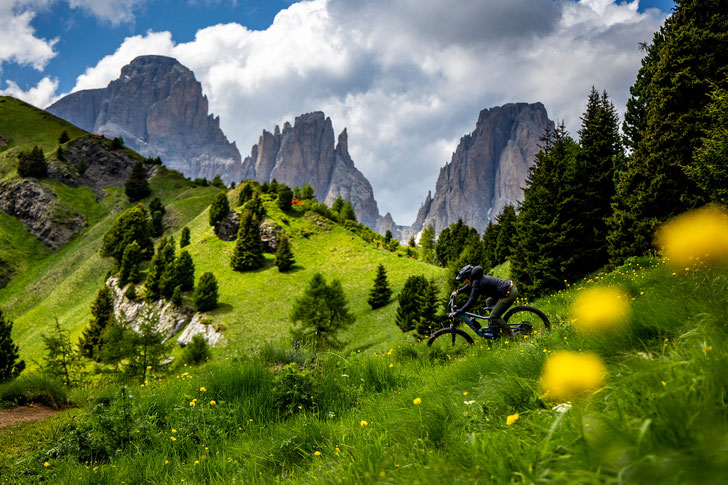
(500, 294)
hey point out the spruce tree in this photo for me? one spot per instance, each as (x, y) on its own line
(320, 313)
(217, 182)
(60, 360)
(159, 276)
(284, 254)
(64, 137)
(246, 193)
(184, 238)
(248, 251)
(307, 192)
(428, 305)
(185, 271)
(157, 205)
(506, 236)
(157, 227)
(129, 270)
(136, 186)
(427, 244)
(32, 163)
(10, 363)
(102, 314)
(285, 198)
(219, 209)
(146, 348)
(489, 244)
(205, 296)
(255, 206)
(338, 204)
(685, 62)
(380, 292)
(408, 313)
(131, 225)
(347, 212)
(177, 296)
(710, 170)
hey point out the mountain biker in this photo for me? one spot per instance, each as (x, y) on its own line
(500, 294)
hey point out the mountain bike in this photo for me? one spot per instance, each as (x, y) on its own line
(522, 319)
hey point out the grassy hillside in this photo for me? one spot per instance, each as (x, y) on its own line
(407, 415)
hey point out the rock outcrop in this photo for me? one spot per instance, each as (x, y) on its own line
(227, 230)
(488, 169)
(171, 319)
(157, 107)
(307, 153)
(41, 211)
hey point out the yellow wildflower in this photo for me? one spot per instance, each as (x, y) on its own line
(600, 309)
(318, 453)
(202, 389)
(417, 401)
(511, 419)
(364, 423)
(197, 462)
(213, 402)
(46, 464)
(174, 430)
(149, 367)
(568, 375)
(173, 438)
(193, 403)
(698, 234)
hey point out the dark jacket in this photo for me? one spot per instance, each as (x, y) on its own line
(483, 285)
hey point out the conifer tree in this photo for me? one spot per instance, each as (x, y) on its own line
(177, 296)
(184, 271)
(157, 224)
(428, 305)
(131, 225)
(387, 237)
(380, 292)
(205, 296)
(489, 244)
(320, 313)
(710, 170)
(219, 209)
(248, 252)
(307, 192)
(184, 238)
(129, 270)
(284, 254)
(338, 204)
(10, 363)
(246, 193)
(32, 163)
(347, 212)
(157, 205)
(145, 347)
(136, 186)
(285, 197)
(427, 244)
(255, 206)
(64, 137)
(217, 182)
(60, 360)
(158, 276)
(506, 236)
(684, 63)
(197, 351)
(409, 312)
(102, 314)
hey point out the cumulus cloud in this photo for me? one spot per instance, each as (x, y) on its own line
(113, 11)
(18, 42)
(407, 77)
(43, 94)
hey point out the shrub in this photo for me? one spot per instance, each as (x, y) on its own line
(129, 270)
(293, 390)
(34, 388)
(284, 254)
(219, 209)
(285, 198)
(184, 238)
(10, 364)
(136, 186)
(197, 351)
(102, 314)
(320, 313)
(32, 163)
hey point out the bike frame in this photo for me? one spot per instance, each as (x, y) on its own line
(473, 316)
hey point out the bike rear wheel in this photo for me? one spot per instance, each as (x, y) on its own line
(449, 339)
(530, 320)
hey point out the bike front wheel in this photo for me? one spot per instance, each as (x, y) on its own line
(449, 339)
(527, 320)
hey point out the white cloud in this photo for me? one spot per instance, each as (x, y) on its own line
(408, 77)
(113, 11)
(18, 42)
(41, 95)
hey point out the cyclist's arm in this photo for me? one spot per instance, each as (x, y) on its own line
(473, 290)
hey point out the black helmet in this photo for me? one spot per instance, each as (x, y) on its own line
(464, 273)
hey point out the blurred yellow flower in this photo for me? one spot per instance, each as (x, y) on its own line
(46, 464)
(213, 402)
(511, 419)
(701, 234)
(193, 403)
(197, 462)
(174, 430)
(364, 423)
(600, 309)
(173, 438)
(318, 453)
(149, 367)
(568, 375)
(203, 389)
(417, 401)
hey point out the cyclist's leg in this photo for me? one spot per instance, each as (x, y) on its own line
(500, 308)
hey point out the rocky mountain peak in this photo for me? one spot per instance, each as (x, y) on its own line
(157, 106)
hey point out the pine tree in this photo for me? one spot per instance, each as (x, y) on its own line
(157, 205)
(347, 212)
(307, 192)
(338, 204)
(246, 193)
(60, 360)
(197, 351)
(64, 137)
(428, 305)
(10, 364)
(217, 182)
(177, 296)
(284, 254)
(506, 236)
(320, 313)
(157, 226)
(409, 312)
(248, 252)
(219, 209)
(489, 244)
(285, 197)
(146, 348)
(129, 270)
(380, 292)
(136, 186)
(158, 276)
(387, 237)
(102, 314)
(117, 143)
(255, 206)
(710, 170)
(184, 238)
(132, 225)
(205, 296)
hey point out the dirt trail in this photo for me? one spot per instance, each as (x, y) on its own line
(33, 412)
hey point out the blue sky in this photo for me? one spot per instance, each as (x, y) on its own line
(263, 62)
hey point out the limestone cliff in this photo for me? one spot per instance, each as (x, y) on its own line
(306, 153)
(488, 169)
(157, 106)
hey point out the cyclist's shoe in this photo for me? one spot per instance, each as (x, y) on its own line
(483, 332)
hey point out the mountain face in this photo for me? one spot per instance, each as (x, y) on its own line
(157, 106)
(306, 153)
(488, 169)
